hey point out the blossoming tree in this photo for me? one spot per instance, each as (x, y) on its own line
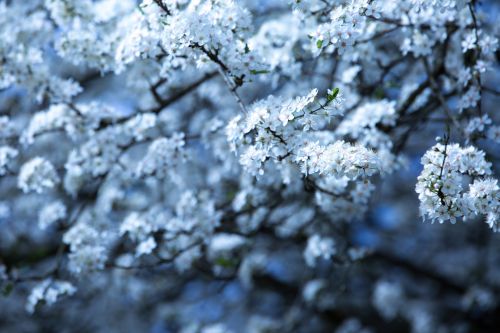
(249, 166)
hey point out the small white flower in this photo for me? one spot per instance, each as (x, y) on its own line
(318, 247)
(469, 41)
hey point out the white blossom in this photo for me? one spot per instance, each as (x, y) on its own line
(388, 299)
(48, 291)
(493, 133)
(440, 185)
(470, 98)
(469, 41)
(51, 213)
(146, 247)
(162, 156)
(186, 149)
(7, 154)
(319, 248)
(37, 175)
(477, 124)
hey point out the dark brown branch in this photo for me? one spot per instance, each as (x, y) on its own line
(163, 6)
(182, 92)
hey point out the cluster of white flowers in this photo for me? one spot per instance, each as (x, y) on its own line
(484, 198)
(51, 213)
(57, 117)
(349, 200)
(22, 56)
(112, 34)
(37, 175)
(271, 132)
(195, 221)
(80, 120)
(151, 178)
(285, 136)
(368, 124)
(89, 32)
(338, 159)
(192, 222)
(200, 31)
(440, 4)
(252, 160)
(362, 124)
(87, 245)
(48, 291)
(140, 228)
(290, 219)
(7, 128)
(93, 158)
(437, 14)
(275, 41)
(267, 125)
(440, 186)
(470, 98)
(477, 125)
(388, 298)
(163, 155)
(319, 248)
(7, 154)
(97, 156)
(347, 23)
(419, 44)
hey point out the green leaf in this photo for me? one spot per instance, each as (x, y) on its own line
(379, 93)
(7, 289)
(230, 195)
(330, 97)
(225, 262)
(255, 72)
(319, 43)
